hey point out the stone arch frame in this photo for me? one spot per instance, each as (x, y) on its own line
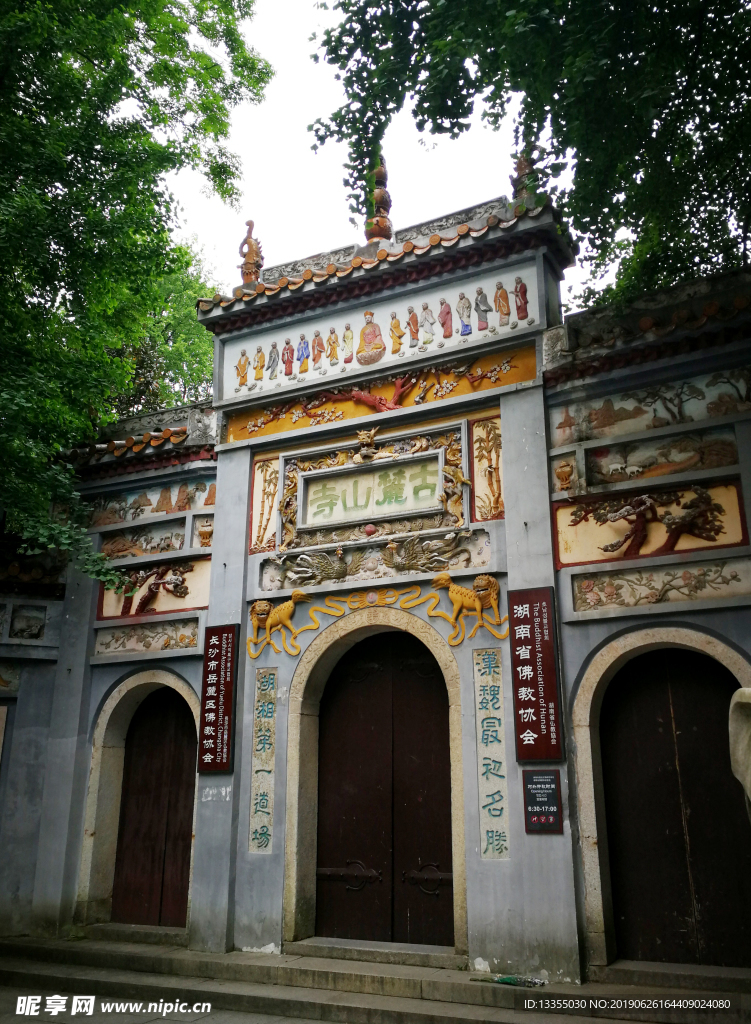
(102, 815)
(605, 663)
(307, 686)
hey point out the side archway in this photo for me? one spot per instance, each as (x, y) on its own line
(102, 818)
(590, 798)
(306, 690)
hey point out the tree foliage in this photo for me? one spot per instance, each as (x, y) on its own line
(97, 103)
(645, 103)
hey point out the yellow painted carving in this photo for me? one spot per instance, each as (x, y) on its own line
(483, 595)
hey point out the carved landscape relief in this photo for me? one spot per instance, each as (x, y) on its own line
(487, 469)
(662, 456)
(726, 393)
(146, 501)
(649, 523)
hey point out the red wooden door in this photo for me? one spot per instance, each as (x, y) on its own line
(679, 836)
(152, 865)
(384, 797)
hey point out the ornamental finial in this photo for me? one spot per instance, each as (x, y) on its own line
(379, 225)
(250, 250)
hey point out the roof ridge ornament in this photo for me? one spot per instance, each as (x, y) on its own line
(250, 250)
(524, 182)
(379, 225)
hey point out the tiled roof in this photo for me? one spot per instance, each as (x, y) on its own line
(381, 255)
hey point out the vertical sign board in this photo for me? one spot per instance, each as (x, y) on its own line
(216, 739)
(534, 664)
(264, 755)
(542, 800)
(491, 754)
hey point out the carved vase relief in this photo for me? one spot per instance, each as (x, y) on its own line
(649, 523)
(726, 393)
(148, 638)
(387, 333)
(395, 390)
(695, 581)
(487, 473)
(129, 505)
(167, 587)
(565, 475)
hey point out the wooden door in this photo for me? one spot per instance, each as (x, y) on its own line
(679, 836)
(384, 797)
(152, 865)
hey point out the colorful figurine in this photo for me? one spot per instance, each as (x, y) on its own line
(502, 306)
(303, 354)
(413, 325)
(241, 369)
(464, 309)
(520, 294)
(259, 362)
(348, 340)
(427, 319)
(332, 348)
(288, 357)
(318, 347)
(445, 319)
(397, 332)
(372, 346)
(482, 308)
(273, 362)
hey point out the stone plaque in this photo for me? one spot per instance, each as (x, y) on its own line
(491, 754)
(383, 488)
(264, 753)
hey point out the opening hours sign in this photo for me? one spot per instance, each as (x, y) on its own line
(216, 733)
(534, 668)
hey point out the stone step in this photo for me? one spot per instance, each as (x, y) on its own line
(157, 935)
(379, 952)
(316, 988)
(691, 976)
(278, 1000)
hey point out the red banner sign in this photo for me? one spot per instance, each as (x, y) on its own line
(537, 719)
(217, 732)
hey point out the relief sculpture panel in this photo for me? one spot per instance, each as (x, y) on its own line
(726, 393)
(654, 523)
(663, 456)
(126, 506)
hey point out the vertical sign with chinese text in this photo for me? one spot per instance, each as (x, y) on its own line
(542, 800)
(216, 747)
(537, 718)
(262, 771)
(491, 754)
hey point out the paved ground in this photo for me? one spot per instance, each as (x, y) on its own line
(9, 1000)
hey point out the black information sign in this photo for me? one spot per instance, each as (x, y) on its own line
(542, 800)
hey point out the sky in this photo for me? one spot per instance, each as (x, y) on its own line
(296, 197)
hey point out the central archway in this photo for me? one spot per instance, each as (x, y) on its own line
(306, 690)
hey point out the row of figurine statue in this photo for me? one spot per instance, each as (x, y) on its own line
(418, 333)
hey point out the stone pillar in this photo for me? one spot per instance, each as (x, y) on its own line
(66, 770)
(535, 896)
(211, 925)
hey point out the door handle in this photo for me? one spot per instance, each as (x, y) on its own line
(358, 874)
(428, 873)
